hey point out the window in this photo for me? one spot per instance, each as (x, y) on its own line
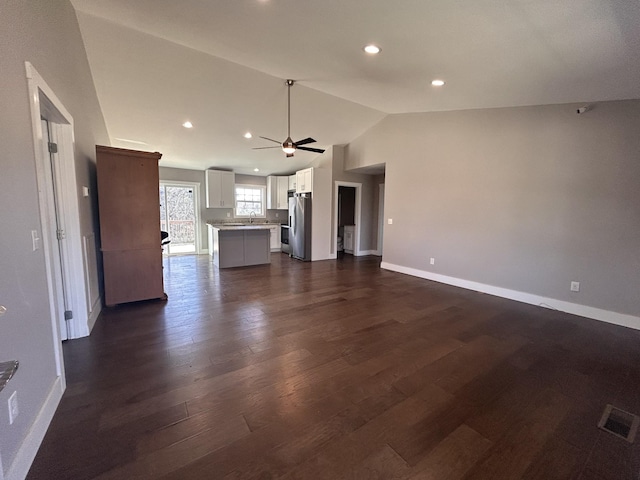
(250, 198)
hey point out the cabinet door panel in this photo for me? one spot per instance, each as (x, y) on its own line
(256, 247)
(132, 275)
(282, 196)
(125, 185)
(227, 188)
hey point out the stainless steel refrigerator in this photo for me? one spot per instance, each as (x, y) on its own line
(300, 227)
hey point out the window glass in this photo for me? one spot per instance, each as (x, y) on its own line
(250, 198)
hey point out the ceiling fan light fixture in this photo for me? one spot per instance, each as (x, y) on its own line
(288, 146)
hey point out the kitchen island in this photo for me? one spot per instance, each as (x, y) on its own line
(239, 245)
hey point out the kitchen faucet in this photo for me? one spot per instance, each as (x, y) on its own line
(251, 218)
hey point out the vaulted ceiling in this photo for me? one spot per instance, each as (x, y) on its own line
(221, 64)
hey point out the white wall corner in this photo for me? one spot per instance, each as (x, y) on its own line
(19, 469)
(607, 316)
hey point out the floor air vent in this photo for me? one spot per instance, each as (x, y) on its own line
(620, 423)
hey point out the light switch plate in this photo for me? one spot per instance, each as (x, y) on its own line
(35, 240)
(390, 221)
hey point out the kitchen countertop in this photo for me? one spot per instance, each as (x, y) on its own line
(260, 226)
(224, 225)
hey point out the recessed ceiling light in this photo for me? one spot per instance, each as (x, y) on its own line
(372, 49)
(248, 135)
(187, 125)
(256, 169)
(437, 83)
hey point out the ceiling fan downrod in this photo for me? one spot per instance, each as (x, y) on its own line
(288, 146)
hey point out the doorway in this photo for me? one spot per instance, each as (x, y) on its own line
(346, 219)
(73, 300)
(179, 217)
(346, 215)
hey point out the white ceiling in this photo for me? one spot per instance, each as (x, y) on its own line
(222, 65)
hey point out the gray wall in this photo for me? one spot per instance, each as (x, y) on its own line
(524, 198)
(47, 35)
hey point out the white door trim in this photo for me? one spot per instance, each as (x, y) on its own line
(44, 103)
(358, 187)
(379, 247)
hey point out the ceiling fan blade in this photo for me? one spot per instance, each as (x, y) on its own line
(305, 141)
(307, 149)
(289, 155)
(271, 140)
(262, 148)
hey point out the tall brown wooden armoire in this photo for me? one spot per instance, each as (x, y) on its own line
(129, 205)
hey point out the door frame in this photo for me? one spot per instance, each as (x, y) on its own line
(380, 245)
(196, 206)
(357, 216)
(45, 103)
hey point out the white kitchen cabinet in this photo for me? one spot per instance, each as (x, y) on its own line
(349, 238)
(275, 238)
(292, 182)
(283, 193)
(277, 188)
(304, 181)
(272, 192)
(220, 188)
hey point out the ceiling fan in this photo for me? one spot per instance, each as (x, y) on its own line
(289, 146)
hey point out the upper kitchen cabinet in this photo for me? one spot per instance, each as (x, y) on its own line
(292, 182)
(220, 188)
(277, 188)
(304, 181)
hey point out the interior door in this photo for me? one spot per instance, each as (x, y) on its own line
(63, 303)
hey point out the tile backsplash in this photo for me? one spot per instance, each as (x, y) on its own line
(219, 215)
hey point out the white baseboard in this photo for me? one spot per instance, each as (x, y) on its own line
(362, 253)
(95, 312)
(22, 463)
(607, 316)
(203, 251)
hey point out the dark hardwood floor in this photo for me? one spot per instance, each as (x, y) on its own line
(338, 369)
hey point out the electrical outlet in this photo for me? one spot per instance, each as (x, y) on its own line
(228, 215)
(13, 407)
(277, 214)
(575, 286)
(390, 221)
(432, 261)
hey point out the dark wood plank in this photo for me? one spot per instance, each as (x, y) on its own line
(338, 369)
